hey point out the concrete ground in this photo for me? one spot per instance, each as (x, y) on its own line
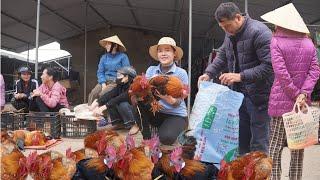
(311, 168)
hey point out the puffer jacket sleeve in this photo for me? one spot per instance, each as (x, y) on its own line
(313, 75)
(218, 64)
(100, 73)
(281, 72)
(262, 45)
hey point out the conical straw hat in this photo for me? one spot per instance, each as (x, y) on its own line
(153, 50)
(114, 39)
(287, 17)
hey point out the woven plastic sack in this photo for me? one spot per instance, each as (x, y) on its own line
(301, 127)
(215, 122)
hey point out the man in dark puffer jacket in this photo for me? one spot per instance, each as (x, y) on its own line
(246, 54)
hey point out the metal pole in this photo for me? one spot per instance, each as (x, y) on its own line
(85, 57)
(189, 55)
(37, 40)
(68, 66)
(28, 55)
(246, 6)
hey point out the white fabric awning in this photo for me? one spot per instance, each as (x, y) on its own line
(48, 52)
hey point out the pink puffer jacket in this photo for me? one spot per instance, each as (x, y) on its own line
(296, 70)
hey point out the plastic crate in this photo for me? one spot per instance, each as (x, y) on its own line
(13, 121)
(77, 128)
(7, 121)
(47, 122)
(19, 121)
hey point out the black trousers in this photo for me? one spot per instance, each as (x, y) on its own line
(21, 104)
(169, 126)
(123, 113)
(38, 105)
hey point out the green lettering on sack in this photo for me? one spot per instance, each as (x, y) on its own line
(208, 119)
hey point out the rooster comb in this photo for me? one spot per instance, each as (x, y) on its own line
(110, 150)
(176, 152)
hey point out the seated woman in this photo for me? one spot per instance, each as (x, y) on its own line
(24, 87)
(116, 102)
(110, 62)
(171, 120)
(51, 95)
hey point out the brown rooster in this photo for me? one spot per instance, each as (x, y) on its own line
(81, 154)
(252, 166)
(29, 138)
(134, 164)
(147, 91)
(99, 140)
(13, 165)
(52, 166)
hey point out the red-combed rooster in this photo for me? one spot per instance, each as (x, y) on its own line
(101, 139)
(252, 166)
(14, 166)
(98, 168)
(52, 166)
(141, 90)
(179, 163)
(134, 164)
(146, 91)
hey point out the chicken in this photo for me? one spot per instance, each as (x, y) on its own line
(51, 165)
(252, 166)
(29, 138)
(13, 166)
(98, 168)
(147, 91)
(134, 164)
(178, 163)
(141, 90)
(7, 144)
(168, 85)
(81, 154)
(99, 140)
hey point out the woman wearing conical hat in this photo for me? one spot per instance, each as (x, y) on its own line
(296, 70)
(114, 59)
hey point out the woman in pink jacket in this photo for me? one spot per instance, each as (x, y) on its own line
(51, 95)
(296, 70)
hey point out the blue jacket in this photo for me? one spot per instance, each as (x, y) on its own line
(254, 61)
(109, 65)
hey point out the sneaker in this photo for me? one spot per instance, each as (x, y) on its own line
(102, 122)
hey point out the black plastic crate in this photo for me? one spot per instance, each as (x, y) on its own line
(13, 121)
(19, 121)
(47, 122)
(77, 128)
(7, 121)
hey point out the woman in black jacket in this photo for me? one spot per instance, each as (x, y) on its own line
(117, 102)
(24, 87)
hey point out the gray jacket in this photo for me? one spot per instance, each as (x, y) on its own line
(253, 51)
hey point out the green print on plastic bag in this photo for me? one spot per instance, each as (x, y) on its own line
(208, 119)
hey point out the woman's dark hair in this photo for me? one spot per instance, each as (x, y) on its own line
(112, 46)
(52, 72)
(227, 11)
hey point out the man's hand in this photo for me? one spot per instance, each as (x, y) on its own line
(36, 92)
(230, 78)
(204, 77)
